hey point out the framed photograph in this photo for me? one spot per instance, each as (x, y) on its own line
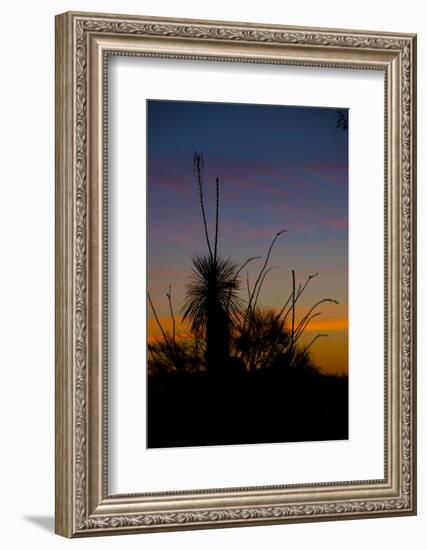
(235, 274)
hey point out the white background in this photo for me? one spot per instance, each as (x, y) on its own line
(27, 275)
(133, 468)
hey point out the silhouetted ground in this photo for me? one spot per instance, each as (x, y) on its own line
(263, 406)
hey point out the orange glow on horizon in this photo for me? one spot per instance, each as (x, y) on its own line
(330, 354)
(183, 333)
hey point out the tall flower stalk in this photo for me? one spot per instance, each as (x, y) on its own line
(211, 303)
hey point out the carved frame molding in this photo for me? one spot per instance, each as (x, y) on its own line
(83, 43)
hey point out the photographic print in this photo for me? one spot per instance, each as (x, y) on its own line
(247, 315)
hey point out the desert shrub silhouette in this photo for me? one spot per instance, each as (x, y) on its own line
(212, 307)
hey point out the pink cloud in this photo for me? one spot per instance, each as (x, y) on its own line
(337, 223)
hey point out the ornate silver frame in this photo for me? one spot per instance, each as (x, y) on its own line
(83, 505)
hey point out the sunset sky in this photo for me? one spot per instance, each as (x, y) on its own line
(279, 167)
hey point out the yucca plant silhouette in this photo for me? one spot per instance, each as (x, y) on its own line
(211, 304)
